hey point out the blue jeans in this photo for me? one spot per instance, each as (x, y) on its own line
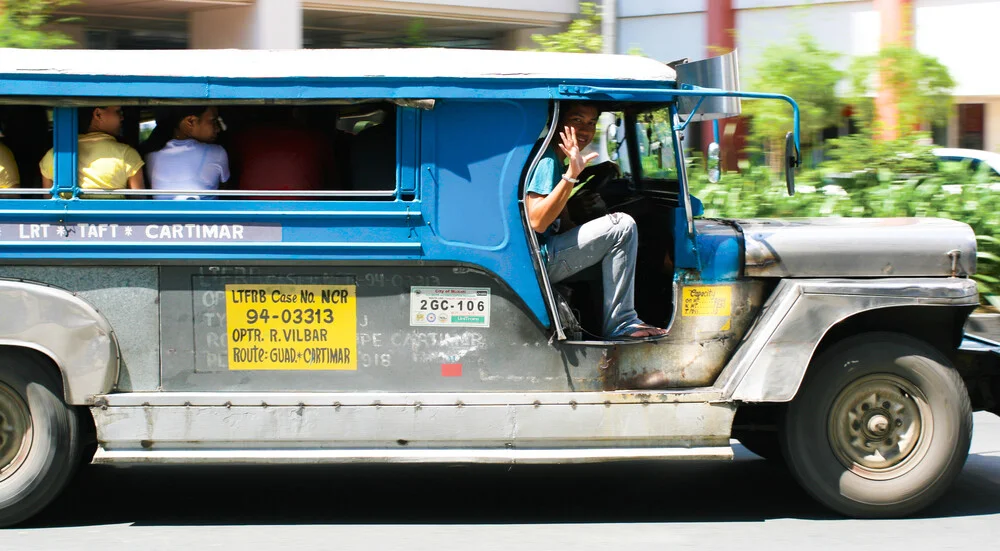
(612, 241)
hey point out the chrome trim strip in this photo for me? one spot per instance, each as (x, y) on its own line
(536, 250)
(501, 456)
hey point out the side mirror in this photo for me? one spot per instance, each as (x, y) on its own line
(713, 164)
(792, 160)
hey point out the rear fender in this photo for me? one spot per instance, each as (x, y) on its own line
(65, 328)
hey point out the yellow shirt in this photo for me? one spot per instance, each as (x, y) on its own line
(8, 169)
(102, 163)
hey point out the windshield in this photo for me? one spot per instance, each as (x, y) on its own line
(656, 147)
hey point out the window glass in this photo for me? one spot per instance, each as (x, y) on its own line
(656, 147)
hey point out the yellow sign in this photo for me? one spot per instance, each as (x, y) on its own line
(707, 301)
(292, 326)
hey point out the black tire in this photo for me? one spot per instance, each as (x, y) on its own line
(880, 428)
(47, 452)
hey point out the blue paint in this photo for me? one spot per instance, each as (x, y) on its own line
(81, 86)
(65, 141)
(720, 256)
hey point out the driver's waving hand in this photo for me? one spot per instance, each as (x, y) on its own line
(568, 248)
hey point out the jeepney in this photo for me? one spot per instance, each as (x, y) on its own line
(400, 312)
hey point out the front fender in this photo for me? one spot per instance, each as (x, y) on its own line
(67, 329)
(771, 361)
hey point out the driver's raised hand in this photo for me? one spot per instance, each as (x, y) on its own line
(571, 148)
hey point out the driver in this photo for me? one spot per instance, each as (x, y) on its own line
(568, 248)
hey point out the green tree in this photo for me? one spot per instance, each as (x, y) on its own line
(583, 35)
(805, 72)
(23, 22)
(920, 83)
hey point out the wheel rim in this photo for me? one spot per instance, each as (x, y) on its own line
(15, 431)
(880, 426)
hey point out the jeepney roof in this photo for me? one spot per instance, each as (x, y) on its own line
(414, 63)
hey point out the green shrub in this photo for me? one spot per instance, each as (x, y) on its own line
(904, 183)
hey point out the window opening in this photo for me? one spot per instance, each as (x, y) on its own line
(25, 137)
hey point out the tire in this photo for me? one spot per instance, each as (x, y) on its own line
(881, 427)
(40, 445)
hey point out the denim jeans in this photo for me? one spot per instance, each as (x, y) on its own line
(612, 241)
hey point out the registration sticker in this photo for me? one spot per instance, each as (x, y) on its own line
(450, 306)
(705, 300)
(310, 327)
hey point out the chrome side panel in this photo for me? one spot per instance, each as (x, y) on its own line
(375, 427)
(65, 328)
(858, 247)
(772, 360)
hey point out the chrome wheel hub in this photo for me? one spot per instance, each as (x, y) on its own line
(880, 426)
(15, 431)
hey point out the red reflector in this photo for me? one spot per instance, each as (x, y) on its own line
(451, 370)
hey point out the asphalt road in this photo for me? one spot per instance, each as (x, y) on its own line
(745, 504)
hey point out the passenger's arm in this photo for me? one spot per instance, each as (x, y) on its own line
(46, 182)
(136, 181)
(544, 209)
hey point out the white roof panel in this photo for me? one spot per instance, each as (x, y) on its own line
(416, 63)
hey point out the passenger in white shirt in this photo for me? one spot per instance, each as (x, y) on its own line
(188, 160)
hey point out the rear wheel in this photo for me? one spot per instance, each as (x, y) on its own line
(881, 427)
(38, 437)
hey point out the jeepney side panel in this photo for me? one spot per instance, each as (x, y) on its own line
(771, 362)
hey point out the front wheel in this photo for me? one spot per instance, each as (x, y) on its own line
(880, 428)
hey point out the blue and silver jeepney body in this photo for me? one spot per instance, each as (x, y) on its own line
(266, 330)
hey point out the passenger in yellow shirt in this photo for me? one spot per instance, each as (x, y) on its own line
(102, 161)
(8, 169)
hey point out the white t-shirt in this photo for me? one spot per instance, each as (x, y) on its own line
(184, 165)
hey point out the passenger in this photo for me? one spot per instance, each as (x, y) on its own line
(9, 177)
(102, 161)
(610, 239)
(183, 157)
(280, 152)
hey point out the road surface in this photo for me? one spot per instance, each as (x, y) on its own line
(747, 504)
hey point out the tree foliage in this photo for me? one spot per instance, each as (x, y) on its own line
(921, 85)
(23, 24)
(803, 71)
(583, 35)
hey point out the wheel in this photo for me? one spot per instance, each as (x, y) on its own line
(880, 428)
(38, 437)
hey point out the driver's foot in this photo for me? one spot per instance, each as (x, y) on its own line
(645, 331)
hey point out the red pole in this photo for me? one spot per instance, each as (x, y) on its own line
(721, 19)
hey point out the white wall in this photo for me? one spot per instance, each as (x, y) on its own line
(265, 25)
(849, 28)
(665, 37)
(962, 34)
